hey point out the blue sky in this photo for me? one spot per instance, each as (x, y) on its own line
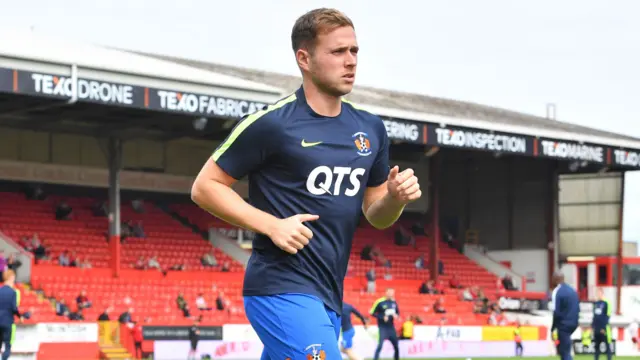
(582, 55)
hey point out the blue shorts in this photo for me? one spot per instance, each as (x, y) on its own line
(294, 326)
(347, 338)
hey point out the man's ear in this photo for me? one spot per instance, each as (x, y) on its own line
(303, 58)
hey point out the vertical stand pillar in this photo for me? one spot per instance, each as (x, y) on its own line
(115, 164)
(434, 255)
(620, 256)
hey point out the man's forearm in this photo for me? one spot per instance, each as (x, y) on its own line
(384, 212)
(224, 203)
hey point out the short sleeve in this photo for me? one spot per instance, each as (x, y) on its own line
(380, 168)
(248, 145)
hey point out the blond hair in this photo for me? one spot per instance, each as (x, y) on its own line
(313, 23)
(8, 274)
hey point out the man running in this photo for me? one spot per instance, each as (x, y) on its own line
(314, 162)
(348, 331)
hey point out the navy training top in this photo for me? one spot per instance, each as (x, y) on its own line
(298, 162)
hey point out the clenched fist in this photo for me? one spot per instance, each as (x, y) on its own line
(291, 234)
(403, 186)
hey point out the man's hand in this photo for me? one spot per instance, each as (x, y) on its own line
(290, 234)
(403, 186)
(386, 318)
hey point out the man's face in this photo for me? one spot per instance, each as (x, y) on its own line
(390, 293)
(332, 63)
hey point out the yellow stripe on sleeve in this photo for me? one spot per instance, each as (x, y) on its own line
(244, 124)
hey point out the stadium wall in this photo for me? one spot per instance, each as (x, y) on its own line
(533, 264)
(506, 199)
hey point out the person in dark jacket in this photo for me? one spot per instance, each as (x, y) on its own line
(566, 311)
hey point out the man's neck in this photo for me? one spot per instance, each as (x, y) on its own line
(322, 103)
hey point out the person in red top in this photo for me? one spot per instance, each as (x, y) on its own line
(136, 333)
(440, 287)
(499, 287)
(454, 283)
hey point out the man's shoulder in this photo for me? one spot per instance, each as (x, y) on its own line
(271, 116)
(362, 113)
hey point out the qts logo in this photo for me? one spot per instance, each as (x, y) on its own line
(325, 180)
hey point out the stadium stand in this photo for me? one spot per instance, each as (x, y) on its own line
(152, 294)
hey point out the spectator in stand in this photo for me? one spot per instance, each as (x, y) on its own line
(507, 282)
(138, 230)
(209, 259)
(13, 263)
(371, 280)
(140, 264)
(427, 288)
(105, 314)
(126, 230)
(496, 318)
(221, 303)
(402, 237)
(226, 267)
(153, 263)
(26, 243)
(420, 262)
(480, 294)
(440, 267)
(82, 300)
(186, 311)
(100, 209)
(34, 192)
(201, 303)
(77, 315)
(418, 229)
(180, 301)
(138, 206)
(178, 267)
(387, 274)
(63, 211)
(63, 259)
(482, 306)
(467, 295)
(454, 282)
(449, 239)
(366, 253)
(39, 250)
(125, 317)
(61, 308)
(84, 263)
(499, 287)
(440, 288)
(73, 259)
(438, 306)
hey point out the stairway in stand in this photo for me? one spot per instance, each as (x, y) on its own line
(115, 352)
